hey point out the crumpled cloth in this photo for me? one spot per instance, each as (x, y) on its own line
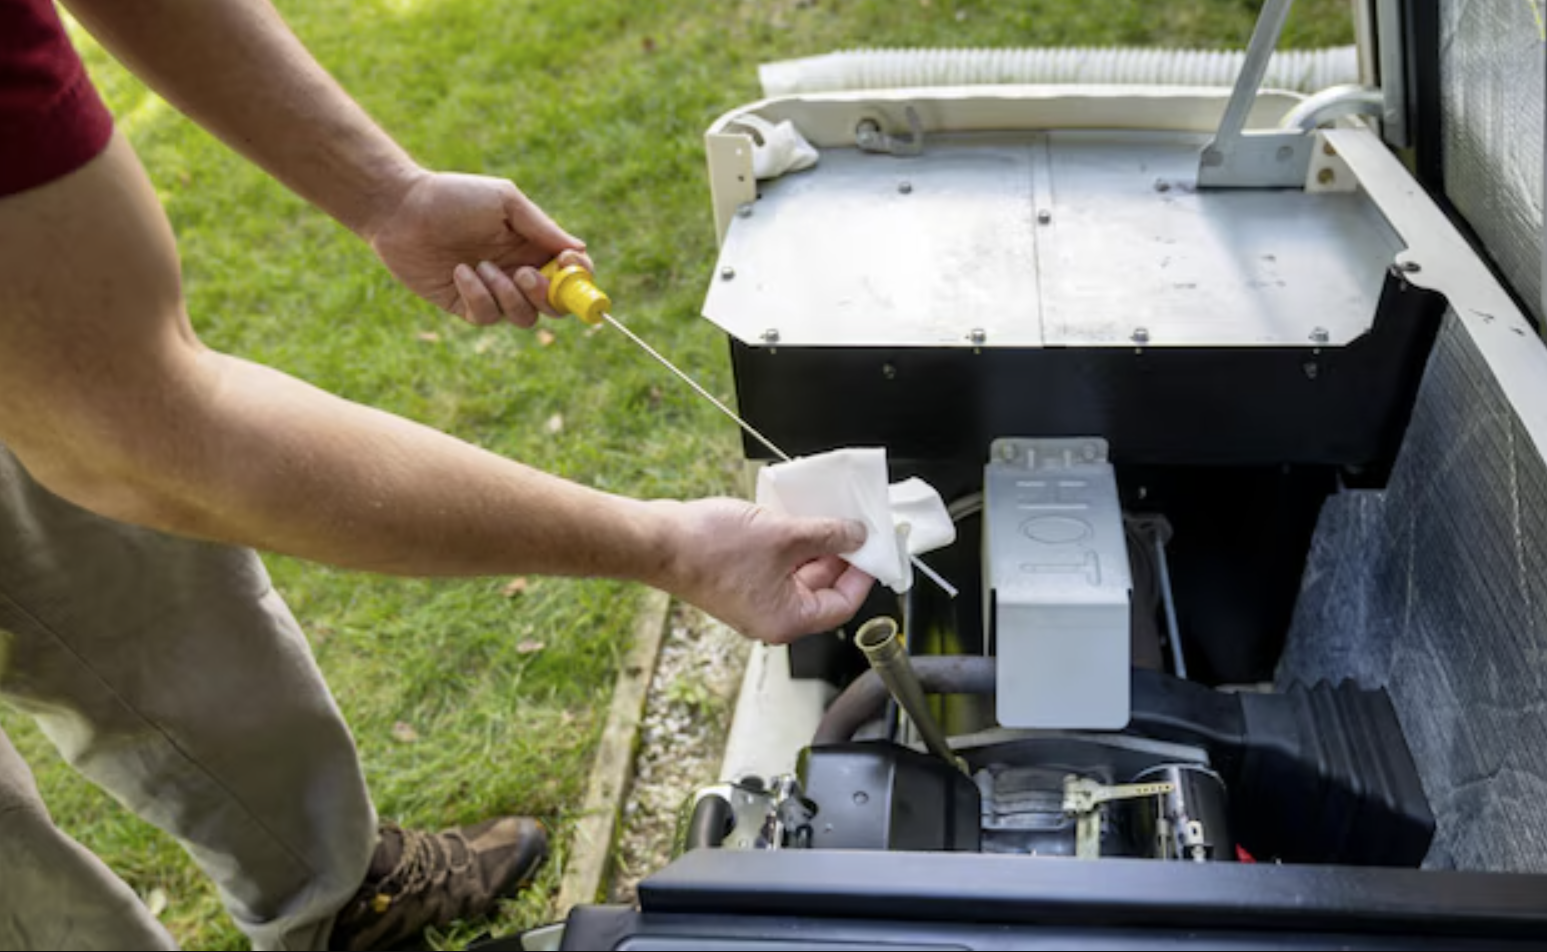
(777, 149)
(903, 519)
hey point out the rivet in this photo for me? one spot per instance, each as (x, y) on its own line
(727, 273)
(1044, 217)
(1326, 176)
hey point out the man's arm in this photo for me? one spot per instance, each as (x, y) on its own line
(233, 66)
(110, 401)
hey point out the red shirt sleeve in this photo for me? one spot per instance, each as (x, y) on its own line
(52, 121)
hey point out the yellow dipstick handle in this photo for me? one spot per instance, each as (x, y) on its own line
(571, 290)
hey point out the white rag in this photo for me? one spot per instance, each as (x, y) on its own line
(904, 519)
(777, 149)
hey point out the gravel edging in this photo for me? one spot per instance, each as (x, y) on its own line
(586, 866)
(686, 722)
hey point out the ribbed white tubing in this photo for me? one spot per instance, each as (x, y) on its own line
(1305, 71)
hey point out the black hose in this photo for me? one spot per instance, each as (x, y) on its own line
(864, 699)
(712, 821)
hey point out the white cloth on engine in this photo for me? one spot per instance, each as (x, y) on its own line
(904, 519)
(777, 149)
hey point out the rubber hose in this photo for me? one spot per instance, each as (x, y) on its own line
(939, 674)
(711, 822)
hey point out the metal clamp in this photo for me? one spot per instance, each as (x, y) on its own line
(1083, 800)
(870, 137)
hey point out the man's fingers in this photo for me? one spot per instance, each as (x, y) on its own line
(479, 305)
(577, 258)
(832, 606)
(818, 537)
(513, 304)
(821, 573)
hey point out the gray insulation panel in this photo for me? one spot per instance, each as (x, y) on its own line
(1436, 588)
(1491, 74)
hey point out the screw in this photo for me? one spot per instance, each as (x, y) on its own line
(727, 273)
(905, 187)
(744, 211)
(978, 335)
(1326, 176)
(771, 336)
(1285, 153)
(861, 798)
(1411, 267)
(1044, 217)
(1141, 335)
(889, 371)
(1320, 335)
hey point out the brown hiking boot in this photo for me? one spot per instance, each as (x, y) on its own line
(432, 879)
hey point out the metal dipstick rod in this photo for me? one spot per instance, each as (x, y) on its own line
(571, 290)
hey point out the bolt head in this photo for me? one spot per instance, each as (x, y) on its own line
(1044, 216)
(1141, 335)
(771, 336)
(1326, 176)
(905, 188)
(744, 211)
(978, 335)
(727, 273)
(1320, 335)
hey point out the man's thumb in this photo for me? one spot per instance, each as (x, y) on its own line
(834, 537)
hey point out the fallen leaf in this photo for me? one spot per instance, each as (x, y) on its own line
(429, 337)
(515, 587)
(545, 337)
(156, 903)
(530, 646)
(404, 733)
(648, 43)
(555, 423)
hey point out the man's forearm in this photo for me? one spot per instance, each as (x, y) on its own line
(235, 68)
(242, 453)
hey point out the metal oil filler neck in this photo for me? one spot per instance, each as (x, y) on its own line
(879, 639)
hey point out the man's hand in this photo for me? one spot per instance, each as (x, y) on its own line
(471, 245)
(771, 577)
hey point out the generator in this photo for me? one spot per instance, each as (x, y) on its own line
(1239, 404)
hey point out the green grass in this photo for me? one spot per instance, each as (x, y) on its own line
(597, 110)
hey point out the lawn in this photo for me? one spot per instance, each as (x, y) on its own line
(480, 696)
